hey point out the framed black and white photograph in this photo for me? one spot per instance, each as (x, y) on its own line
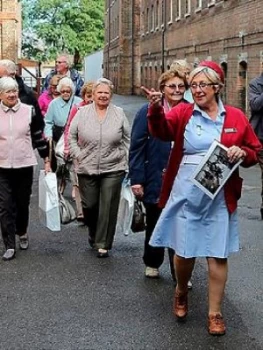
(214, 170)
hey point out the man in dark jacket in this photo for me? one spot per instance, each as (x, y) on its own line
(256, 105)
(63, 68)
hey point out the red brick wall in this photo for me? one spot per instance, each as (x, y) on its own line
(228, 31)
(10, 33)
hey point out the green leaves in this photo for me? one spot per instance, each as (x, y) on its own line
(75, 26)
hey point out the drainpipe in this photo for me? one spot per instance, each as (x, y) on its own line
(108, 53)
(163, 32)
(132, 46)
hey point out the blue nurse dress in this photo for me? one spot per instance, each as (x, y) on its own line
(193, 224)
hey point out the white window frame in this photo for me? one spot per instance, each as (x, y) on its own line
(178, 10)
(188, 13)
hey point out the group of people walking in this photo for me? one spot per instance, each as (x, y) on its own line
(169, 137)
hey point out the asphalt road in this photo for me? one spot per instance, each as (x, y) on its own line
(59, 296)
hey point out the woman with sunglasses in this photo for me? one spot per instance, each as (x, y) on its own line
(48, 95)
(56, 118)
(192, 223)
(148, 159)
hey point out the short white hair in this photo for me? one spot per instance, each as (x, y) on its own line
(66, 82)
(9, 65)
(68, 58)
(8, 83)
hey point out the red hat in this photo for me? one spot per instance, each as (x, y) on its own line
(216, 67)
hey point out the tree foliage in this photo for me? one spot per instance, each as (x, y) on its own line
(53, 26)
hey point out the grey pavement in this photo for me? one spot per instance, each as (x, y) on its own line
(59, 296)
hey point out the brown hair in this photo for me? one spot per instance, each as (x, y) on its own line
(87, 88)
(169, 75)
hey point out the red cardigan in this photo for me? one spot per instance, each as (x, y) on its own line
(171, 127)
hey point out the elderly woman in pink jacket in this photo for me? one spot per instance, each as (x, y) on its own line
(20, 128)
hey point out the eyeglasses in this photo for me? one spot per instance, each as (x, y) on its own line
(10, 92)
(65, 91)
(175, 86)
(202, 86)
(61, 62)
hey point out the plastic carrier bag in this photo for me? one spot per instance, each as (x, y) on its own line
(126, 206)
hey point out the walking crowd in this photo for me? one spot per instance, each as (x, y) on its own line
(170, 136)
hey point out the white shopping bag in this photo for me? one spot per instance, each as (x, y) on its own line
(126, 206)
(49, 214)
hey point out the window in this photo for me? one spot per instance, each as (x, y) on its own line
(198, 5)
(171, 12)
(152, 18)
(157, 9)
(178, 9)
(187, 7)
(211, 3)
(148, 20)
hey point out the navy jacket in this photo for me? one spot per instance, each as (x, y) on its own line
(255, 95)
(148, 158)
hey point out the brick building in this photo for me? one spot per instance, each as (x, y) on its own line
(143, 37)
(10, 29)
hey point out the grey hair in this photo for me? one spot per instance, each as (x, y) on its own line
(181, 65)
(103, 81)
(9, 65)
(67, 58)
(66, 82)
(209, 73)
(8, 83)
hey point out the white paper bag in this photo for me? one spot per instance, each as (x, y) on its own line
(49, 214)
(126, 206)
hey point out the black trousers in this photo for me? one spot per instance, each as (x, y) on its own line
(15, 192)
(100, 197)
(154, 256)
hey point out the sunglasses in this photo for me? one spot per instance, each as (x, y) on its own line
(65, 91)
(60, 62)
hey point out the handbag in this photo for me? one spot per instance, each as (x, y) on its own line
(67, 212)
(57, 131)
(126, 207)
(49, 214)
(138, 218)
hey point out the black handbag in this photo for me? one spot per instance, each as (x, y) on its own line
(138, 219)
(57, 132)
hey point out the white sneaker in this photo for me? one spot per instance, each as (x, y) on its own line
(151, 272)
(189, 284)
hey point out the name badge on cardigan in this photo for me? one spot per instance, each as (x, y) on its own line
(230, 130)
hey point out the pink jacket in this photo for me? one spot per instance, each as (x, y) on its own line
(72, 114)
(44, 100)
(16, 150)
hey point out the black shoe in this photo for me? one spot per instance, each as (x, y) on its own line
(9, 254)
(261, 213)
(91, 242)
(23, 242)
(102, 254)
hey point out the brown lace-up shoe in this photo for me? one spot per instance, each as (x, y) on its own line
(180, 305)
(216, 325)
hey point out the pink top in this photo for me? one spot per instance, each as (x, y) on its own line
(72, 114)
(44, 100)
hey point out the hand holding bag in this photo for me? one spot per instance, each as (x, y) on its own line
(138, 219)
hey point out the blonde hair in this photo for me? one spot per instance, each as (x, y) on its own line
(171, 73)
(87, 88)
(181, 65)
